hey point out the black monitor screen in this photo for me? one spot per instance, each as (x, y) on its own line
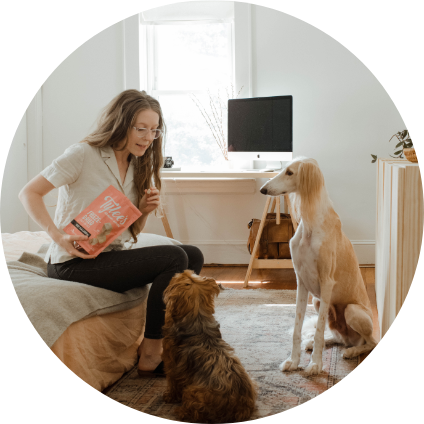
(261, 124)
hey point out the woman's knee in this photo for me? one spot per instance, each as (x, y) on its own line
(179, 258)
(195, 257)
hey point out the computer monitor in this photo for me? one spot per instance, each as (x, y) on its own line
(260, 128)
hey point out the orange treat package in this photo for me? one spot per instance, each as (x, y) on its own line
(107, 217)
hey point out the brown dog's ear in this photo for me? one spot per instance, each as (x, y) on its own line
(309, 186)
(181, 297)
(208, 290)
(211, 286)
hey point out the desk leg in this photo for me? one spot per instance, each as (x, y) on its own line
(166, 225)
(289, 207)
(274, 200)
(258, 238)
(278, 218)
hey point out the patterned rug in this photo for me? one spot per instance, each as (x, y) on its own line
(257, 324)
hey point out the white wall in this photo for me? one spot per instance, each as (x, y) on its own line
(341, 112)
(13, 215)
(75, 93)
(341, 115)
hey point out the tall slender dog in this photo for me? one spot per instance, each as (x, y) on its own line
(201, 369)
(325, 265)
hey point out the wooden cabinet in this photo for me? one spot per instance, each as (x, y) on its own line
(399, 232)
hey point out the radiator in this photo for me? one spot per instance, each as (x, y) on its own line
(399, 235)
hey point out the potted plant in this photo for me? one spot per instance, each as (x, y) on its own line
(407, 149)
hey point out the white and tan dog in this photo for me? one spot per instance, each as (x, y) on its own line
(326, 266)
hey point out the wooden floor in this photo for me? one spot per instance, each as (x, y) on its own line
(282, 279)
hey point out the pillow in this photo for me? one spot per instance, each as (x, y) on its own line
(146, 239)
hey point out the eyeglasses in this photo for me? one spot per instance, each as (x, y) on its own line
(142, 132)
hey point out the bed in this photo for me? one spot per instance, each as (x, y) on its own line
(94, 332)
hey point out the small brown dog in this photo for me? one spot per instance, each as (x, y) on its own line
(201, 369)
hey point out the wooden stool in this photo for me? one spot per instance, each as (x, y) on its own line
(269, 263)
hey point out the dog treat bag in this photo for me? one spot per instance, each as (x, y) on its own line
(107, 217)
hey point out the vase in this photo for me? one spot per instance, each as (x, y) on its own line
(410, 155)
(227, 164)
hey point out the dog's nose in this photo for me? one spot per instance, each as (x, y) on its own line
(264, 190)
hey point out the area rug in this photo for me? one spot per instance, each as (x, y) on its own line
(258, 324)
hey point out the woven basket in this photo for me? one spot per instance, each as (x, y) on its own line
(410, 155)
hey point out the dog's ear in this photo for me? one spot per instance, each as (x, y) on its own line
(310, 178)
(309, 185)
(210, 287)
(206, 289)
(178, 296)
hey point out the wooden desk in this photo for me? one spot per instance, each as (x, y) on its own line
(218, 174)
(254, 262)
(209, 174)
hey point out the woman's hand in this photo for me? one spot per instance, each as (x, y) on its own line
(149, 202)
(70, 244)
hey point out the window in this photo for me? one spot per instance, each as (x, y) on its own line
(187, 60)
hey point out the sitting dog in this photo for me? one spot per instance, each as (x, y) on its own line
(325, 265)
(201, 369)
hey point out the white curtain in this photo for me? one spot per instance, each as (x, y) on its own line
(189, 12)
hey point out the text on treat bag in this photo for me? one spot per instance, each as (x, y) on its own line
(111, 209)
(90, 218)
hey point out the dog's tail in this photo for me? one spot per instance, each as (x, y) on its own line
(309, 327)
(205, 405)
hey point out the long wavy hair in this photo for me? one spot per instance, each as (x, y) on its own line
(113, 126)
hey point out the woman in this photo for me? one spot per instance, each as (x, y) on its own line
(124, 151)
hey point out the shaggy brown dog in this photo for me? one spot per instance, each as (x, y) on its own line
(201, 369)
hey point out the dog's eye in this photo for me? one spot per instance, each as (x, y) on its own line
(288, 172)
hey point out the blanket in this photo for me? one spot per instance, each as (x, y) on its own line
(53, 305)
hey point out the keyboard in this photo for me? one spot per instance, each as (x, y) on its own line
(260, 170)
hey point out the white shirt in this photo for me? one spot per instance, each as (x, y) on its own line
(81, 174)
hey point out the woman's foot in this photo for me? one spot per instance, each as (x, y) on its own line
(150, 354)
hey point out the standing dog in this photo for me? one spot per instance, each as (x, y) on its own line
(201, 369)
(325, 265)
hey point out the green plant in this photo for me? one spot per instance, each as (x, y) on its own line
(404, 141)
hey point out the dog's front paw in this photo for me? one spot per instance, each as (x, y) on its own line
(289, 365)
(313, 368)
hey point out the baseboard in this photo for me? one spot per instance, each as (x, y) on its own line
(246, 265)
(235, 253)
(225, 265)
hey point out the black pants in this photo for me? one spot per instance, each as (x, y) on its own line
(124, 270)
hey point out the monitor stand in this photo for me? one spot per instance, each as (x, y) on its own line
(253, 165)
(272, 165)
(263, 166)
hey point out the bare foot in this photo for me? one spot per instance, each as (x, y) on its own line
(150, 352)
(148, 363)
